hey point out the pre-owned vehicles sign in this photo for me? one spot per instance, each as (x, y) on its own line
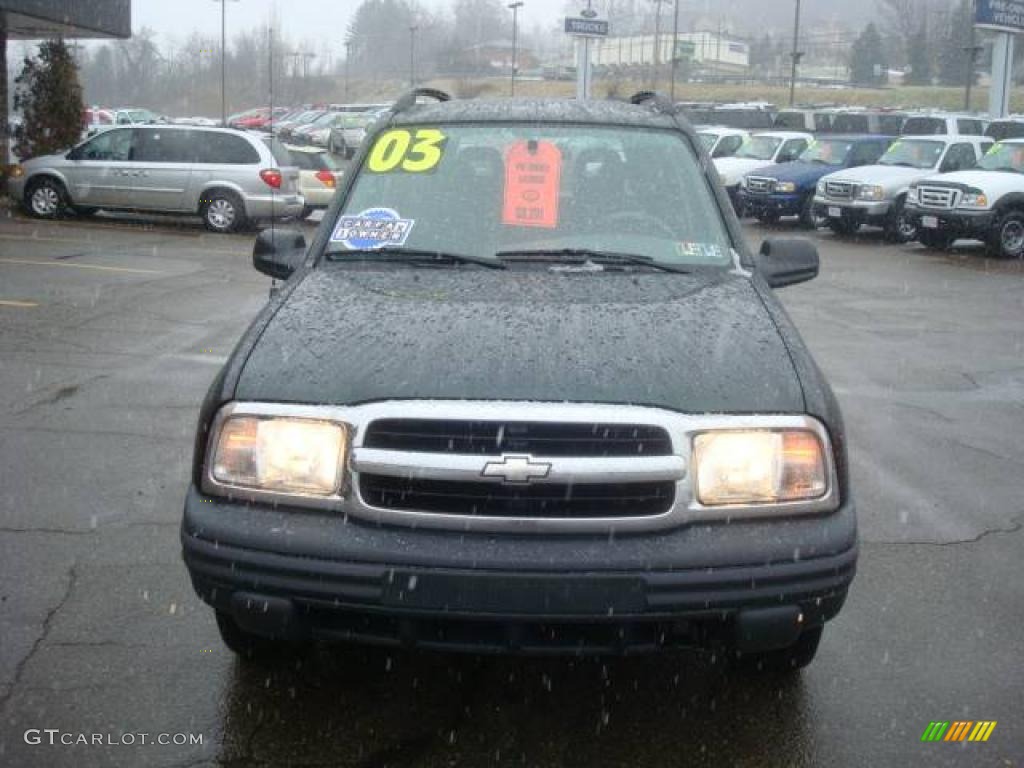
(1004, 15)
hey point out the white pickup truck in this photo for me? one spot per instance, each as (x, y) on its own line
(876, 194)
(986, 203)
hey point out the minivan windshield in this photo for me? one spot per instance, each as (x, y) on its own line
(913, 153)
(1004, 157)
(759, 148)
(827, 152)
(480, 190)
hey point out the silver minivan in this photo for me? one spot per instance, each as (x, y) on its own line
(226, 176)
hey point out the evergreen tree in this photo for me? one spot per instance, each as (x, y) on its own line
(919, 58)
(867, 58)
(49, 97)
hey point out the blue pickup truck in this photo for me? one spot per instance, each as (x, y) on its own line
(775, 191)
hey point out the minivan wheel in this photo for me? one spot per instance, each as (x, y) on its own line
(223, 212)
(1007, 238)
(45, 198)
(785, 660)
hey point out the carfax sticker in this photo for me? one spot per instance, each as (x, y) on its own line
(373, 228)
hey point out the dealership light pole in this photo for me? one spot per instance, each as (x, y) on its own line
(348, 58)
(515, 41)
(223, 59)
(657, 42)
(412, 55)
(675, 47)
(796, 55)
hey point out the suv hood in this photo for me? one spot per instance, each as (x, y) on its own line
(697, 343)
(798, 172)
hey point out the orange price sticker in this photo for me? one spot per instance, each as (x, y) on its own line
(533, 173)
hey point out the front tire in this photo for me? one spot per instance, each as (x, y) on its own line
(808, 218)
(934, 239)
(1007, 238)
(844, 226)
(223, 212)
(785, 660)
(899, 225)
(46, 198)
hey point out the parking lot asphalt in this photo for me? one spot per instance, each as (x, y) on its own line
(112, 329)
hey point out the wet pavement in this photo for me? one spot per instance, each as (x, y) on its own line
(110, 332)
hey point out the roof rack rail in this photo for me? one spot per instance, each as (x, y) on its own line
(655, 100)
(408, 99)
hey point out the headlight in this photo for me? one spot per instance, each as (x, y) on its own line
(974, 198)
(286, 455)
(759, 467)
(912, 195)
(785, 186)
(871, 192)
(743, 182)
(821, 188)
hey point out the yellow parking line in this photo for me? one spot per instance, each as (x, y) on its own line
(21, 304)
(79, 266)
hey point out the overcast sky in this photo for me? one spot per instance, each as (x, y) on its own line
(314, 20)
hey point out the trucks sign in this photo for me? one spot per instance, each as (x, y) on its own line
(589, 27)
(1002, 15)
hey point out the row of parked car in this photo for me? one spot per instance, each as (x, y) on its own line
(338, 128)
(761, 116)
(930, 188)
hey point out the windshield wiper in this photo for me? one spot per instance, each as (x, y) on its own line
(903, 164)
(584, 255)
(422, 255)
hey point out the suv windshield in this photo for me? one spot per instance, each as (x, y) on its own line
(487, 189)
(1004, 157)
(914, 154)
(759, 148)
(827, 151)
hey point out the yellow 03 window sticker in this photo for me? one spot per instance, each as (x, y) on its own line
(409, 151)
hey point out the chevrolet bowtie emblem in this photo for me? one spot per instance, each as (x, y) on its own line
(516, 470)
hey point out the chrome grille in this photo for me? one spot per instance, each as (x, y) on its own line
(760, 185)
(839, 190)
(937, 198)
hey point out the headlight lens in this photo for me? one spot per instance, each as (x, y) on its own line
(871, 192)
(785, 186)
(974, 198)
(912, 195)
(821, 188)
(286, 455)
(759, 467)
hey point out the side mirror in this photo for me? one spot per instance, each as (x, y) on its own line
(785, 262)
(278, 252)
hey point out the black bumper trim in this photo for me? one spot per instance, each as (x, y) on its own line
(218, 570)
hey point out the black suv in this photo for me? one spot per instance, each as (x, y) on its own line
(527, 391)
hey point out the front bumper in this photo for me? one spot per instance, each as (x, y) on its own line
(860, 211)
(297, 574)
(957, 223)
(777, 204)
